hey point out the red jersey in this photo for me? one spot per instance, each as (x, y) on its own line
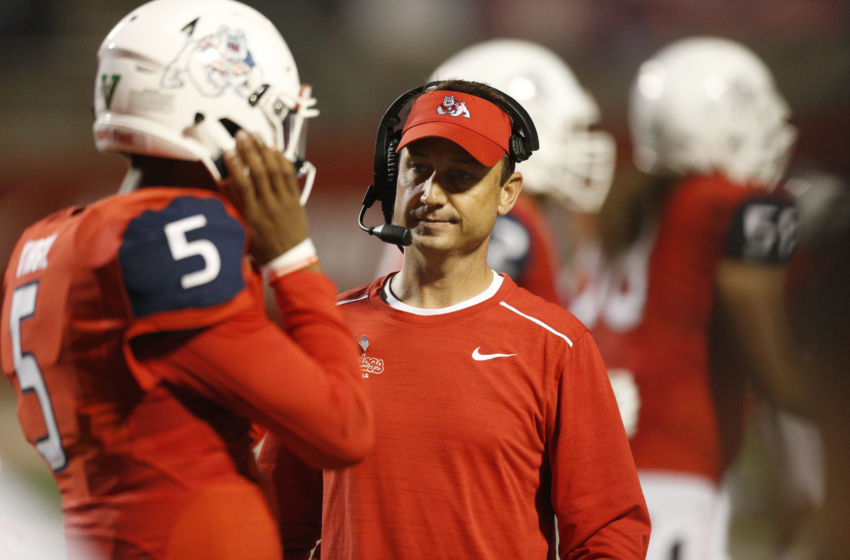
(492, 418)
(650, 310)
(147, 433)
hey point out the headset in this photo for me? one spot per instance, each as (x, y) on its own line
(522, 143)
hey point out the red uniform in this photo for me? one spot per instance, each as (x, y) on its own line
(135, 334)
(650, 314)
(492, 417)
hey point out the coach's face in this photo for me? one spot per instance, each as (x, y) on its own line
(448, 199)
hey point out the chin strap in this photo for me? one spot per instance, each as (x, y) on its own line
(131, 181)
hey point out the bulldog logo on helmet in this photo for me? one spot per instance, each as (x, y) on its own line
(453, 107)
(213, 64)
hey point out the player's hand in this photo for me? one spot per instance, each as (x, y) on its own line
(263, 186)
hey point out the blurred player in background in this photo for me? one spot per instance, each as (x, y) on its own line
(694, 253)
(133, 328)
(573, 167)
(493, 411)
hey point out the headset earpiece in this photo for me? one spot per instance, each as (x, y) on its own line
(519, 150)
(387, 202)
(523, 140)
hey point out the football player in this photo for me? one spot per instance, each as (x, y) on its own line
(695, 254)
(134, 329)
(573, 167)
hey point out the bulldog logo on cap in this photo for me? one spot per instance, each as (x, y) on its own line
(453, 108)
(486, 136)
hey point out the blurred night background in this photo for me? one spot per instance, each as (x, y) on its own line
(359, 55)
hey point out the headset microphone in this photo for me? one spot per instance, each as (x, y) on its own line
(388, 233)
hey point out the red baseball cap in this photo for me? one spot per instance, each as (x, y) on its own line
(475, 124)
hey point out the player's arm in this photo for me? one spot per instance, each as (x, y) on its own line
(595, 489)
(200, 323)
(306, 392)
(297, 486)
(183, 270)
(263, 186)
(754, 333)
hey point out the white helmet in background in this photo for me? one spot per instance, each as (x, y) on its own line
(707, 104)
(177, 78)
(574, 164)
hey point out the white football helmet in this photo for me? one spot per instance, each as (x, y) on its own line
(574, 164)
(707, 104)
(177, 78)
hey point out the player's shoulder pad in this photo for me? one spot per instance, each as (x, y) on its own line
(510, 246)
(763, 230)
(187, 254)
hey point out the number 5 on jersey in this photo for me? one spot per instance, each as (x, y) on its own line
(182, 248)
(187, 255)
(30, 376)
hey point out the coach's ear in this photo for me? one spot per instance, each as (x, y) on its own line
(509, 192)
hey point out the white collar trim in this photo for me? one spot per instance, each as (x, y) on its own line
(396, 303)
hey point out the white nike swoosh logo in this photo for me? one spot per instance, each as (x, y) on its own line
(479, 357)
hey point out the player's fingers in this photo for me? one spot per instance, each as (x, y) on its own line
(250, 151)
(237, 183)
(282, 176)
(273, 166)
(244, 180)
(288, 180)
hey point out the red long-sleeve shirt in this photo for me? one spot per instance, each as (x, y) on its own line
(492, 418)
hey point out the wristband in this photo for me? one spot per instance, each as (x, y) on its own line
(299, 257)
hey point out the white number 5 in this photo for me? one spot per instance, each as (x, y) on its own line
(182, 248)
(31, 379)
